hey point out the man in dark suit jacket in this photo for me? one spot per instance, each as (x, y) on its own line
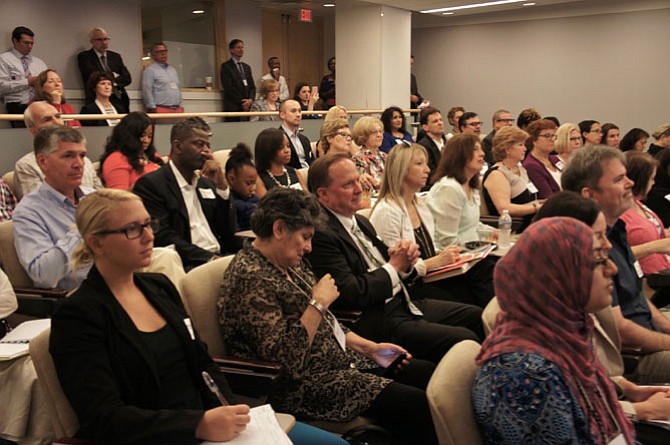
(290, 114)
(501, 118)
(369, 275)
(194, 212)
(433, 140)
(92, 60)
(239, 89)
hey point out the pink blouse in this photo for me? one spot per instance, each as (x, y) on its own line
(642, 230)
(118, 173)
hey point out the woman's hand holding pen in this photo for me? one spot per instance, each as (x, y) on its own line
(223, 423)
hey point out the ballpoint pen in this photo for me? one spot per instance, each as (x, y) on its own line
(211, 384)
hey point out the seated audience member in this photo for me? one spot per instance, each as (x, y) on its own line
(591, 132)
(338, 112)
(526, 117)
(662, 139)
(193, 211)
(120, 343)
(306, 98)
(275, 74)
(49, 88)
(645, 231)
(453, 115)
(541, 344)
(506, 185)
(335, 137)
(101, 85)
(401, 214)
(501, 118)
(130, 152)
(268, 101)
(656, 200)
(327, 86)
(568, 140)
(610, 135)
(273, 154)
(395, 131)
(635, 140)
(27, 174)
(7, 201)
(554, 119)
(453, 199)
(599, 173)
(544, 169)
(44, 235)
(301, 149)
(8, 303)
(329, 372)
(469, 122)
(242, 177)
(368, 134)
(640, 403)
(368, 273)
(433, 139)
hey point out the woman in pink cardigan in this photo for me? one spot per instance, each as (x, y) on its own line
(130, 152)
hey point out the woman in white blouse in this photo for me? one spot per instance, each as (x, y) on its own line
(454, 198)
(401, 214)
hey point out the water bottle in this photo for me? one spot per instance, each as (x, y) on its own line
(504, 230)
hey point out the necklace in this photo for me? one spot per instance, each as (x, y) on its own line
(288, 178)
(514, 169)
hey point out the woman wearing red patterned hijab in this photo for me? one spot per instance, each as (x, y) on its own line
(540, 380)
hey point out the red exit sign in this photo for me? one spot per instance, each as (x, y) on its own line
(306, 15)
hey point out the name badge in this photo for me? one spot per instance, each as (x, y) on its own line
(340, 336)
(667, 197)
(189, 326)
(531, 187)
(618, 440)
(559, 165)
(173, 85)
(296, 186)
(638, 269)
(477, 198)
(244, 82)
(207, 193)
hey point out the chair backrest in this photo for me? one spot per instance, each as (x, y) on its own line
(62, 415)
(365, 212)
(221, 156)
(9, 260)
(303, 172)
(200, 290)
(489, 315)
(449, 396)
(8, 178)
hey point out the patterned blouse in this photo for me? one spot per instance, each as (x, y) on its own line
(259, 314)
(523, 399)
(371, 163)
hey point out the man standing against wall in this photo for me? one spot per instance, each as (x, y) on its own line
(239, 89)
(160, 84)
(18, 73)
(99, 58)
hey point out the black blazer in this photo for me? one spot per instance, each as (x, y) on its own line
(89, 63)
(92, 108)
(234, 90)
(306, 144)
(433, 156)
(109, 375)
(414, 89)
(163, 200)
(336, 253)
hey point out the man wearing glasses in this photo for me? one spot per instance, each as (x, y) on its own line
(469, 122)
(99, 58)
(501, 118)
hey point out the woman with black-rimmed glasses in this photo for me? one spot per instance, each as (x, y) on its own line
(544, 169)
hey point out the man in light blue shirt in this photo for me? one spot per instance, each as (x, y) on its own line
(18, 73)
(45, 235)
(160, 84)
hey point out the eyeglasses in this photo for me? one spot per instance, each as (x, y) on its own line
(596, 131)
(344, 135)
(549, 137)
(134, 230)
(102, 39)
(474, 124)
(601, 257)
(507, 121)
(575, 139)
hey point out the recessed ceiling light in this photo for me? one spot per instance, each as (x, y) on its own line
(198, 11)
(474, 5)
(447, 13)
(528, 4)
(329, 5)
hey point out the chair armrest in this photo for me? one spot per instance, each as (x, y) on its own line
(40, 303)
(659, 279)
(55, 293)
(631, 358)
(255, 379)
(247, 366)
(492, 220)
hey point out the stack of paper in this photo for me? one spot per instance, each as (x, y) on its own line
(15, 344)
(263, 429)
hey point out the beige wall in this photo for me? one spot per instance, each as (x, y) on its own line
(608, 67)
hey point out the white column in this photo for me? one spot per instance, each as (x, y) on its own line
(372, 49)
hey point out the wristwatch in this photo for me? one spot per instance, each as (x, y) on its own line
(319, 307)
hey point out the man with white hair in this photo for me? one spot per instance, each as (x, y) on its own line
(99, 58)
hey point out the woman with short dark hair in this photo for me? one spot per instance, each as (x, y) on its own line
(102, 85)
(394, 128)
(543, 167)
(273, 153)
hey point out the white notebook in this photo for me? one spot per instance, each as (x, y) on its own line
(15, 344)
(263, 429)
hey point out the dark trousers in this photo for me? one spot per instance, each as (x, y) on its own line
(16, 108)
(443, 324)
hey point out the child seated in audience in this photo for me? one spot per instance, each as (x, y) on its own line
(242, 176)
